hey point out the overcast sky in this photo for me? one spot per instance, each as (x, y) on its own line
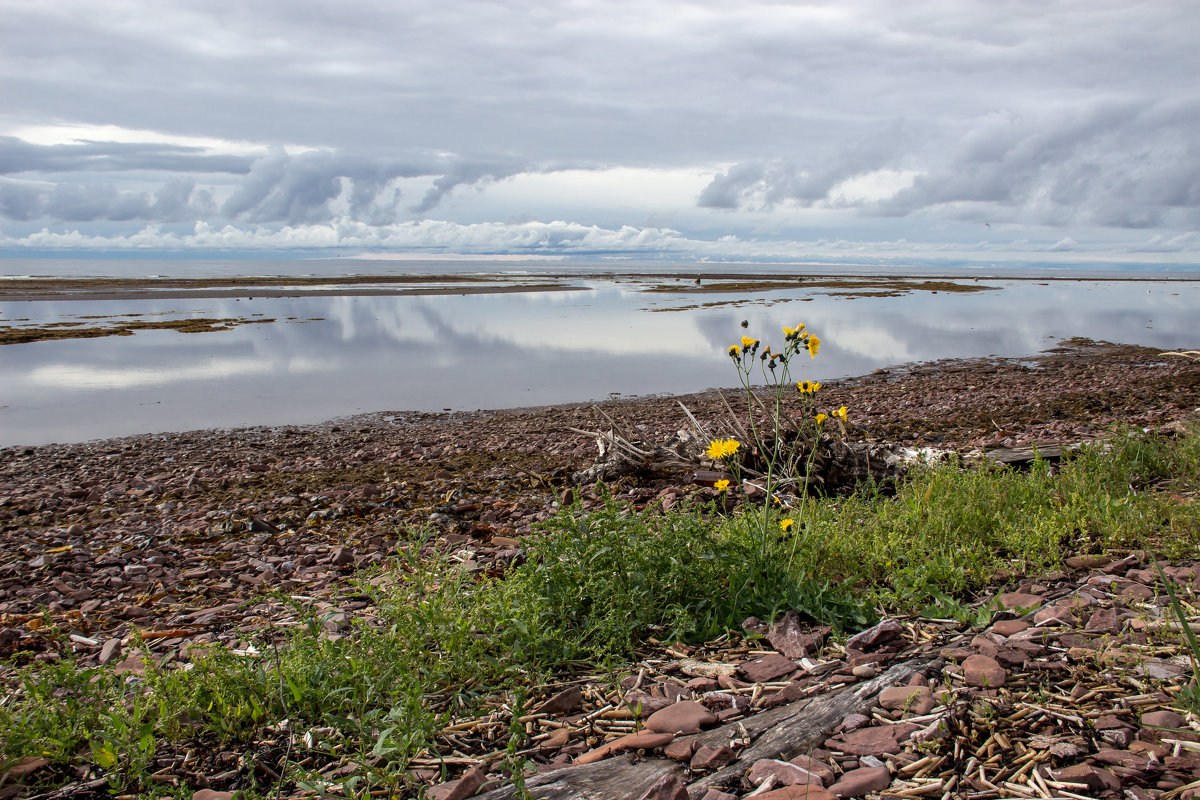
(956, 129)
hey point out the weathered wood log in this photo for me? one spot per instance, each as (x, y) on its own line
(1016, 456)
(80, 790)
(796, 728)
(787, 730)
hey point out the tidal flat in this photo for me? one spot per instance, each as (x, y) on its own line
(95, 356)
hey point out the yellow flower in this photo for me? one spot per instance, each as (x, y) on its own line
(748, 342)
(814, 344)
(821, 418)
(808, 387)
(733, 351)
(791, 333)
(786, 525)
(721, 485)
(841, 412)
(722, 448)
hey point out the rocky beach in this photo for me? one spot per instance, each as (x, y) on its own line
(120, 551)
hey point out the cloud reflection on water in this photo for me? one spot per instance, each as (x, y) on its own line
(505, 350)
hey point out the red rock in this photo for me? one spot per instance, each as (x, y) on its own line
(767, 668)
(680, 750)
(668, 787)
(341, 556)
(643, 704)
(985, 646)
(853, 722)
(784, 773)
(804, 792)
(25, 767)
(707, 757)
(1054, 615)
(685, 716)
(1096, 778)
(1136, 590)
(110, 650)
(1123, 758)
(875, 637)
(816, 767)
(132, 664)
(788, 694)
(1007, 627)
(912, 699)
(1163, 719)
(793, 639)
(1159, 751)
(1122, 566)
(646, 740)
(1087, 561)
(729, 682)
(864, 672)
(875, 741)
(556, 740)
(565, 702)
(983, 671)
(861, 781)
(1010, 657)
(464, 787)
(1021, 600)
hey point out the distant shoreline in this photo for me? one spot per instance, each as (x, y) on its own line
(97, 288)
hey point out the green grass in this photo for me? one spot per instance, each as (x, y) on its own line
(595, 585)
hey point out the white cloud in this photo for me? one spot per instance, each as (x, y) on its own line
(760, 120)
(559, 239)
(871, 187)
(74, 377)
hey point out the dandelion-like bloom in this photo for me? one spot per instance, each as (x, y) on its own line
(792, 333)
(722, 448)
(821, 418)
(808, 387)
(721, 485)
(841, 413)
(814, 344)
(786, 525)
(748, 342)
(733, 351)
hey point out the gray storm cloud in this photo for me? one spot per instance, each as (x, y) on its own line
(1112, 163)
(767, 120)
(277, 187)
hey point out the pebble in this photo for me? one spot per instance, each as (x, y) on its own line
(683, 717)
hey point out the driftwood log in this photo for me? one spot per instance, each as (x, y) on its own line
(782, 732)
(837, 465)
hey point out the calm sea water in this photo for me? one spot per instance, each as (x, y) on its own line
(326, 357)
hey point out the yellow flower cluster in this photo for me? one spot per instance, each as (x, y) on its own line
(748, 342)
(841, 414)
(721, 485)
(786, 525)
(722, 448)
(814, 344)
(808, 387)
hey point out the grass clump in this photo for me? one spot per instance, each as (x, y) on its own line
(948, 532)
